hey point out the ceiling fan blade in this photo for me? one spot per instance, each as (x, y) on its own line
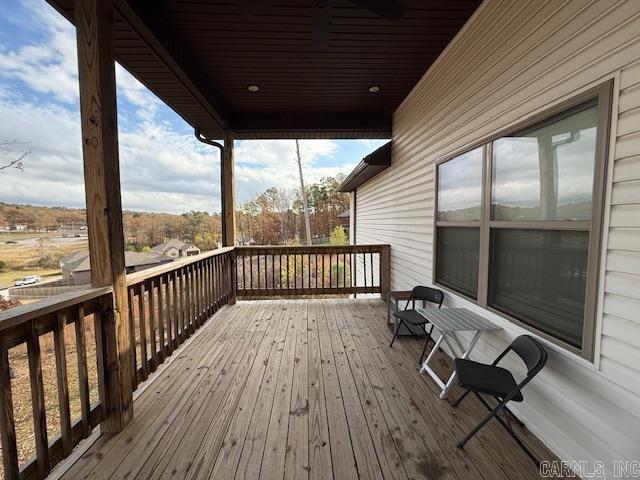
(320, 25)
(389, 9)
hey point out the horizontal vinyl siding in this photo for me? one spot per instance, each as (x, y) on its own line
(512, 60)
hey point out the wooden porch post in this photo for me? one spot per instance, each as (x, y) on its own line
(96, 72)
(228, 193)
(385, 272)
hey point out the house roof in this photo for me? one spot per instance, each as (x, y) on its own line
(80, 262)
(173, 243)
(369, 167)
(201, 57)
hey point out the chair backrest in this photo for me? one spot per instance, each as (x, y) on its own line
(428, 294)
(531, 352)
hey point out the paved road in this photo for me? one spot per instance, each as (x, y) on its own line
(31, 242)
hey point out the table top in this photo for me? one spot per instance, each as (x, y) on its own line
(400, 294)
(456, 319)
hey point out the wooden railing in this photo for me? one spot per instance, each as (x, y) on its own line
(62, 339)
(23, 331)
(167, 304)
(276, 271)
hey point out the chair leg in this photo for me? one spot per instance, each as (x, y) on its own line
(457, 402)
(507, 427)
(512, 416)
(526, 450)
(429, 339)
(396, 333)
(476, 429)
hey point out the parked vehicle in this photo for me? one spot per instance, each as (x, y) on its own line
(29, 280)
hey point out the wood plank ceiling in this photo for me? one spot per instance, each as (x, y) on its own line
(200, 57)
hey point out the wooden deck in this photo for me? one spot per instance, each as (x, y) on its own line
(301, 389)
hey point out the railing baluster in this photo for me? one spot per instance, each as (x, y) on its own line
(162, 318)
(186, 295)
(132, 332)
(209, 288)
(7, 420)
(83, 374)
(330, 259)
(153, 320)
(199, 305)
(176, 310)
(63, 383)
(142, 329)
(184, 306)
(258, 273)
(208, 296)
(364, 268)
(371, 257)
(37, 402)
(219, 282)
(251, 273)
(344, 270)
(191, 290)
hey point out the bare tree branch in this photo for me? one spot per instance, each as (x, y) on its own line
(7, 148)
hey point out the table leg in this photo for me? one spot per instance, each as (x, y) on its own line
(465, 354)
(425, 365)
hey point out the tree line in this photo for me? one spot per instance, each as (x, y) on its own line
(276, 216)
(273, 217)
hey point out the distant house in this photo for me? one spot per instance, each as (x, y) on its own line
(244, 239)
(77, 267)
(344, 219)
(175, 248)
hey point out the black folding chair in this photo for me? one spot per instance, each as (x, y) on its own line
(498, 382)
(409, 317)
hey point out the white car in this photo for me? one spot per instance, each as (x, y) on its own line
(30, 280)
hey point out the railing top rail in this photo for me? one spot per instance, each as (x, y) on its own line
(18, 315)
(141, 276)
(266, 249)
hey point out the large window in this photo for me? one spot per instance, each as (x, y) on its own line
(518, 221)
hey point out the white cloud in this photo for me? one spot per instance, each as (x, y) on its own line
(50, 65)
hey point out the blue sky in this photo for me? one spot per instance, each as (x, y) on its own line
(163, 167)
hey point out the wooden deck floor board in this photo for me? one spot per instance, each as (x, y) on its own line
(301, 389)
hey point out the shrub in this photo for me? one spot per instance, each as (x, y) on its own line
(338, 236)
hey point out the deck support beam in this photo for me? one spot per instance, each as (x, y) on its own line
(96, 72)
(228, 193)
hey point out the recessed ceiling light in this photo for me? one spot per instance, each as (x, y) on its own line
(374, 88)
(253, 88)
